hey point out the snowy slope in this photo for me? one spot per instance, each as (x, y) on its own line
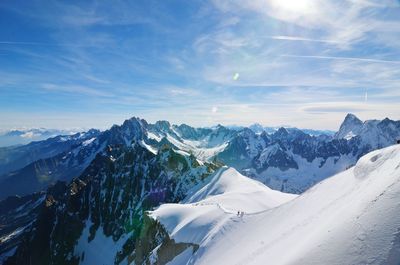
(350, 218)
(231, 190)
(212, 206)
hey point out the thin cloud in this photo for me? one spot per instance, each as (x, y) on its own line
(77, 89)
(358, 59)
(335, 107)
(295, 38)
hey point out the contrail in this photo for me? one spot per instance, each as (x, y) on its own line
(295, 38)
(341, 58)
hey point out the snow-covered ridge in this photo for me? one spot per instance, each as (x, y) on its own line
(228, 186)
(349, 218)
(209, 207)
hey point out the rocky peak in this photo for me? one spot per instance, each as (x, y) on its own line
(256, 127)
(350, 127)
(281, 132)
(352, 119)
(163, 125)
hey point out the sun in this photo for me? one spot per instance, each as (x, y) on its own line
(294, 6)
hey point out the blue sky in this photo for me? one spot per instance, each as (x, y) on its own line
(304, 63)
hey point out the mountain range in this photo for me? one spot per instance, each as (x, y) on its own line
(25, 136)
(288, 159)
(82, 198)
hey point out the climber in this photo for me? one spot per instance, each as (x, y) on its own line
(398, 141)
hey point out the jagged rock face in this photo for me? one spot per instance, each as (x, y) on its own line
(107, 202)
(274, 156)
(350, 127)
(188, 132)
(17, 213)
(154, 245)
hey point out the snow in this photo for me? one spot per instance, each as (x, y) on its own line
(307, 173)
(349, 135)
(89, 141)
(350, 218)
(153, 136)
(203, 153)
(218, 201)
(203, 149)
(350, 127)
(199, 148)
(149, 147)
(375, 133)
(207, 153)
(228, 187)
(12, 234)
(267, 152)
(101, 250)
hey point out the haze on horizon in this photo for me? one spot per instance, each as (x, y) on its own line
(304, 63)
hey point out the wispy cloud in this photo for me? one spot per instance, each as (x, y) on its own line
(158, 61)
(336, 107)
(76, 89)
(295, 38)
(357, 59)
(343, 23)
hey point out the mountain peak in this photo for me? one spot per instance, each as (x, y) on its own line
(352, 118)
(163, 125)
(256, 127)
(132, 122)
(350, 127)
(282, 131)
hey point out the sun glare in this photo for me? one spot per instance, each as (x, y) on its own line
(295, 6)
